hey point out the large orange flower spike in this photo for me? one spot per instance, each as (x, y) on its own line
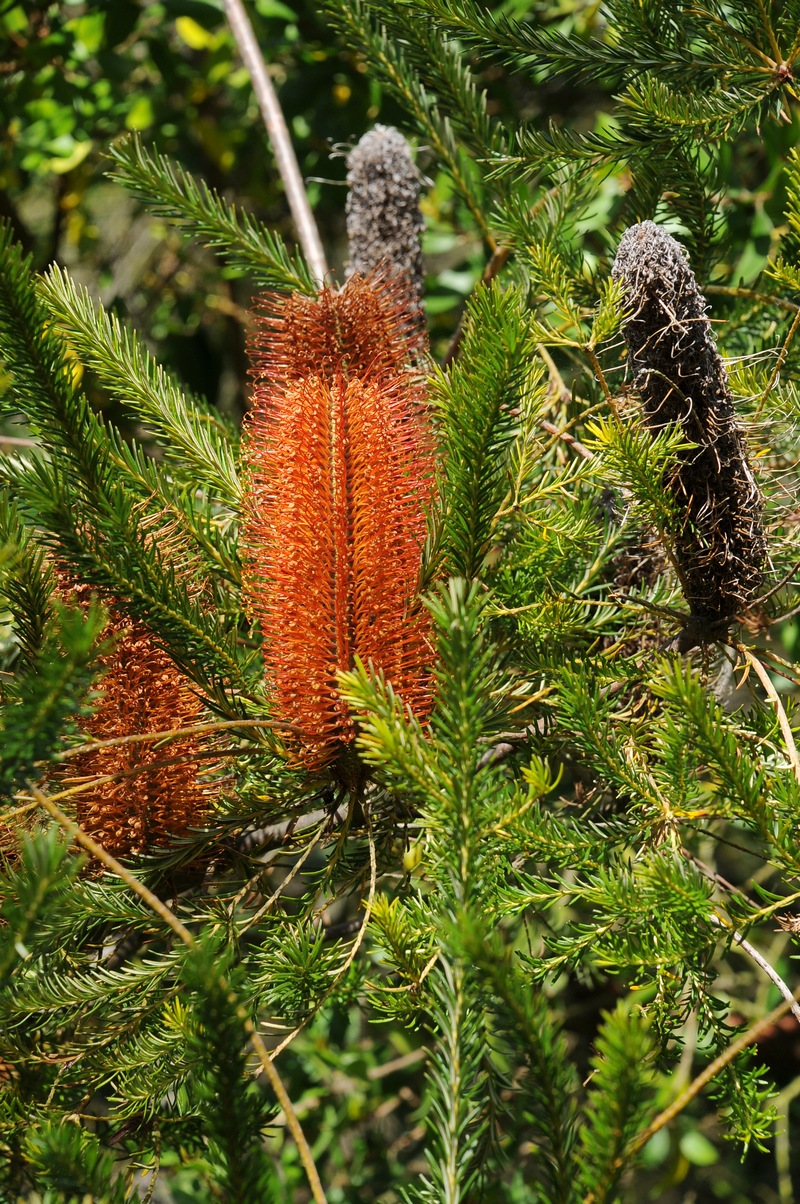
(340, 476)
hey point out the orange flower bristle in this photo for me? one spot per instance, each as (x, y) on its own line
(340, 475)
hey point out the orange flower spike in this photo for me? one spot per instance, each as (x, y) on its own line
(141, 691)
(340, 465)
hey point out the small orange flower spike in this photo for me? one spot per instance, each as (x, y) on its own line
(340, 474)
(142, 691)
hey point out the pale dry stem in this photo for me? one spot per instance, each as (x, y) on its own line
(283, 150)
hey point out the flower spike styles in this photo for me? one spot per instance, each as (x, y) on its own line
(340, 475)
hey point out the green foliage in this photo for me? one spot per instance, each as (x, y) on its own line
(293, 970)
(73, 1162)
(80, 496)
(42, 373)
(44, 873)
(198, 443)
(49, 694)
(548, 1089)
(618, 1101)
(231, 1109)
(467, 810)
(476, 441)
(25, 583)
(633, 459)
(456, 1089)
(197, 209)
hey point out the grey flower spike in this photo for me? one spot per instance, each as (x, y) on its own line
(384, 223)
(677, 370)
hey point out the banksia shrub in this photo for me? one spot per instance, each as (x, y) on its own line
(340, 473)
(719, 544)
(384, 222)
(153, 801)
(582, 806)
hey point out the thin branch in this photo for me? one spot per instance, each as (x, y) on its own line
(285, 158)
(208, 754)
(412, 986)
(18, 441)
(750, 294)
(373, 877)
(778, 586)
(781, 360)
(570, 440)
(96, 850)
(697, 1084)
(766, 25)
(404, 1062)
(15, 812)
(498, 261)
(276, 1083)
(253, 919)
(760, 961)
(783, 719)
(600, 375)
(197, 729)
(276, 834)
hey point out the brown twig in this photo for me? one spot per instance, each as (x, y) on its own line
(253, 919)
(17, 441)
(277, 834)
(495, 264)
(565, 437)
(750, 294)
(404, 1062)
(697, 1084)
(771, 973)
(197, 729)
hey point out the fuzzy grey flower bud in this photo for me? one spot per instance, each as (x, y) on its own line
(384, 222)
(677, 370)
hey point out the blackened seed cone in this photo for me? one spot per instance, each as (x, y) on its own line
(677, 370)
